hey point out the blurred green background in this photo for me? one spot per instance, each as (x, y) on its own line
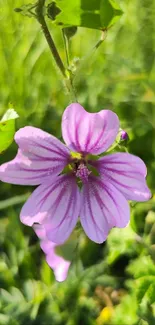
(112, 283)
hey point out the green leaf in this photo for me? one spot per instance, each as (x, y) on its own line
(127, 308)
(9, 115)
(100, 14)
(142, 266)
(120, 241)
(109, 13)
(151, 293)
(7, 129)
(146, 287)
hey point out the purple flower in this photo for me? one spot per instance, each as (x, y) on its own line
(105, 184)
(59, 265)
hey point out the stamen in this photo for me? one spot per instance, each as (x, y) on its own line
(83, 172)
(76, 155)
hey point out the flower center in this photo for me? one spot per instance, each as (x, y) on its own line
(81, 167)
(83, 172)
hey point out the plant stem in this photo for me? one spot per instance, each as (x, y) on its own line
(70, 86)
(66, 44)
(69, 82)
(49, 39)
(65, 72)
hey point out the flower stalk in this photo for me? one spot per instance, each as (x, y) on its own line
(49, 39)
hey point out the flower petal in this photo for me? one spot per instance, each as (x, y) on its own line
(40, 155)
(59, 265)
(103, 207)
(66, 210)
(89, 132)
(127, 173)
(56, 205)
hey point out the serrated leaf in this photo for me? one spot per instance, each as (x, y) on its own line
(100, 14)
(7, 129)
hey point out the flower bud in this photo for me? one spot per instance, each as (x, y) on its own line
(124, 136)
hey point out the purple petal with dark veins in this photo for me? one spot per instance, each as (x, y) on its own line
(103, 207)
(40, 156)
(127, 173)
(66, 207)
(89, 132)
(56, 205)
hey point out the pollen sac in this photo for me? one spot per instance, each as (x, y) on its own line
(83, 172)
